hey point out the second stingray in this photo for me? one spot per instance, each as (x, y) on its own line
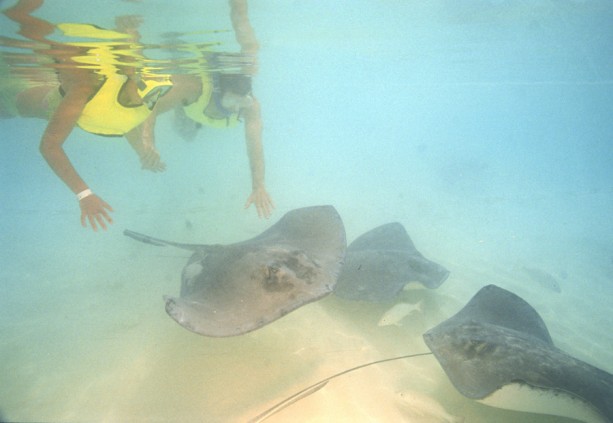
(381, 262)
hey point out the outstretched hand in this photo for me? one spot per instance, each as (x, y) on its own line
(150, 160)
(263, 202)
(95, 211)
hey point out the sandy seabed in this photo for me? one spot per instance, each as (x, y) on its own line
(85, 336)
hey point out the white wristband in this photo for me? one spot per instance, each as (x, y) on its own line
(85, 193)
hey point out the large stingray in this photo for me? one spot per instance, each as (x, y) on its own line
(232, 289)
(498, 350)
(381, 262)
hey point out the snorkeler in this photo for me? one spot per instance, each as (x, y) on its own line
(89, 93)
(221, 99)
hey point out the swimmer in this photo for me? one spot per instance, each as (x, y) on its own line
(221, 100)
(101, 100)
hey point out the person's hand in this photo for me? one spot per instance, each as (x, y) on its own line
(145, 147)
(262, 201)
(95, 211)
(150, 160)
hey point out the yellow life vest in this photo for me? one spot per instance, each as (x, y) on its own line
(195, 110)
(79, 30)
(104, 114)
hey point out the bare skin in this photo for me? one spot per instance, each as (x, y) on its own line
(245, 36)
(94, 210)
(187, 89)
(253, 135)
(78, 85)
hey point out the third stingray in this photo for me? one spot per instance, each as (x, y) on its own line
(379, 264)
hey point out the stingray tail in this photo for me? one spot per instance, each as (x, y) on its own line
(317, 386)
(160, 242)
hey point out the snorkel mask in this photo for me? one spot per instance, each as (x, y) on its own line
(232, 103)
(151, 90)
(232, 93)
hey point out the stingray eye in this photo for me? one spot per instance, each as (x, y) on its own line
(270, 271)
(478, 348)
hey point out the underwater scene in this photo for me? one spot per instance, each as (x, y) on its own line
(306, 211)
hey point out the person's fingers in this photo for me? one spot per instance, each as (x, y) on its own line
(267, 211)
(101, 221)
(147, 161)
(267, 206)
(151, 161)
(92, 223)
(106, 216)
(95, 211)
(106, 205)
(263, 205)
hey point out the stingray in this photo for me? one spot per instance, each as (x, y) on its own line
(381, 262)
(229, 290)
(498, 350)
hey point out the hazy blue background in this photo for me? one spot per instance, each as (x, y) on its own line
(485, 127)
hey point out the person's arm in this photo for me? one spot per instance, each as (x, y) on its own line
(78, 87)
(142, 140)
(245, 36)
(243, 31)
(93, 208)
(255, 151)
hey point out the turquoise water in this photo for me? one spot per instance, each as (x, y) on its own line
(483, 126)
